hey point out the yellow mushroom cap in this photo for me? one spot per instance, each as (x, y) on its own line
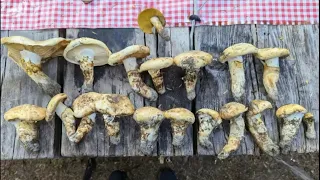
(101, 51)
(114, 105)
(148, 113)
(289, 109)
(26, 112)
(179, 114)
(257, 106)
(193, 59)
(45, 49)
(214, 114)
(144, 19)
(137, 51)
(308, 115)
(269, 53)
(156, 64)
(84, 104)
(235, 50)
(231, 110)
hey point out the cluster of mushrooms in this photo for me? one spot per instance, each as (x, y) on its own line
(87, 53)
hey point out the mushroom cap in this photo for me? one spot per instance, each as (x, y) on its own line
(137, 51)
(214, 114)
(231, 110)
(257, 106)
(235, 50)
(269, 53)
(288, 109)
(25, 112)
(156, 64)
(45, 49)
(84, 104)
(308, 115)
(101, 51)
(193, 59)
(179, 114)
(114, 105)
(148, 113)
(144, 19)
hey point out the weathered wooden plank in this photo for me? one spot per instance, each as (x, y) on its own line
(175, 95)
(107, 80)
(16, 89)
(214, 86)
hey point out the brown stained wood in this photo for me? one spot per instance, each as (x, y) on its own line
(214, 86)
(17, 89)
(107, 80)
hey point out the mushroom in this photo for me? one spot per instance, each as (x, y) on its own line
(191, 62)
(309, 120)
(180, 118)
(208, 120)
(149, 120)
(270, 59)
(153, 67)
(87, 53)
(233, 111)
(149, 18)
(258, 128)
(29, 55)
(292, 115)
(233, 55)
(110, 105)
(128, 57)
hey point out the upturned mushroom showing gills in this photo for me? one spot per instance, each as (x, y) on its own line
(291, 115)
(153, 66)
(208, 121)
(109, 105)
(191, 62)
(180, 119)
(270, 59)
(149, 18)
(233, 111)
(149, 120)
(308, 119)
(258, 129)
(233, 55)
(128, 57)
(29, 55)
(87, 53)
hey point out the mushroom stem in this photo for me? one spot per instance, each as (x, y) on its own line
(207, 125)
(160, 29)
(190, 81)
(157, 79)
(178, 132)
(309, 120)
(84, 128)
(28, 134)
(271, 76)
(149, 135)
(259, 132)
(112, 128)
(31, 64)
(236, 134)
(237, 77)
(137, 84)
(67, 118)
(289, 130)
(85, 59)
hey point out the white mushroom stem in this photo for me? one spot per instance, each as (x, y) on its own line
(149, 135)
(85, 59)
(190, 81)
(159, 28)
(237, 77)
(289, 130)
(236, 134)
(271, 76)
(85, 126)
(67, 118)
(112, 128)
(31, 64)
(259, 132)
(207, 125)
(137, 84)
(178, 132)
(157, 79)
(311, 133)
(28, 135)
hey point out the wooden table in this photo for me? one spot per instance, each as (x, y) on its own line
(298, 84)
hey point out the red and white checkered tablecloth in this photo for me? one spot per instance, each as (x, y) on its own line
(46, 14)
